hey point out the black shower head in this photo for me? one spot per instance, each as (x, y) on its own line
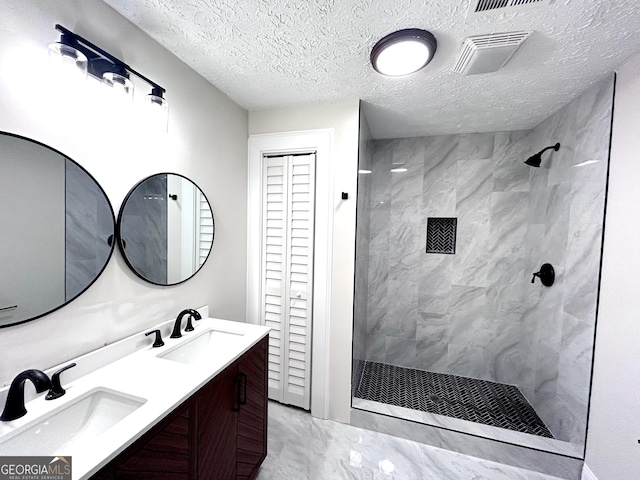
(534, 160)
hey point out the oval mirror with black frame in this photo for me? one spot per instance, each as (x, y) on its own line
(165, 229)
(57, 229)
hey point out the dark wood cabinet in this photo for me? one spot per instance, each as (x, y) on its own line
(218, 426)
(220, 433)
(163, 453)
(252, 414)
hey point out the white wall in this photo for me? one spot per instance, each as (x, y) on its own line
(613, 452)
(343, 117)
(206, 141)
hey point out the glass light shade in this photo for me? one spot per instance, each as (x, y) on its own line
(119, 83)
(402, 58)
(69, 58)
(403, 52)
(157, 109)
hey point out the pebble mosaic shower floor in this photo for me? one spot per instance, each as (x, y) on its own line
(471, 399)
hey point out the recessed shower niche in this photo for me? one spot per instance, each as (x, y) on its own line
(463, 340)
(441, 235)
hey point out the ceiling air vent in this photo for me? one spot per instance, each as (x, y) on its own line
(488, 53)
(479, 6)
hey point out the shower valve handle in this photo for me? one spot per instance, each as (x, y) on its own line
(547, 275)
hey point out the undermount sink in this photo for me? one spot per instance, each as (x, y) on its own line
(202, 346)
(75, 423)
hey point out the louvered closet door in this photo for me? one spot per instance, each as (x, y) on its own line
(205, 229)
(287, 274)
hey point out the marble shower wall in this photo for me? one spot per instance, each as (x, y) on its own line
(145, 220)
(558, 324)
(88, 224)
(475, 313)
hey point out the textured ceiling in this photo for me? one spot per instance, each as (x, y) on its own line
(276, 53)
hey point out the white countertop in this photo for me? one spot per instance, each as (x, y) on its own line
(163, 384)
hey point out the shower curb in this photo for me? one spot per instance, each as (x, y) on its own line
(548, 463)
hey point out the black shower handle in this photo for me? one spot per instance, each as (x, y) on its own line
(547, 275)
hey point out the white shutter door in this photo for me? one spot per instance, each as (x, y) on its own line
(205, 229)
(299, 278)
(274, 201)
(288, 215)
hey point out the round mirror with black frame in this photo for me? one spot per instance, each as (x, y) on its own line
(165, 229)
(57, 229)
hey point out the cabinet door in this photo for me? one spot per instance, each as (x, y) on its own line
(252, 417)
(218, 426)
(162, 454)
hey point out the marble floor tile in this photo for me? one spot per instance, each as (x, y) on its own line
(303, 447)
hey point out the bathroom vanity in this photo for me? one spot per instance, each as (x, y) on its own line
(219, 432)
(193, 408)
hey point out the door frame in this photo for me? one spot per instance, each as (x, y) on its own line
(306, 141)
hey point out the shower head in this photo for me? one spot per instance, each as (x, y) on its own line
(534, 160)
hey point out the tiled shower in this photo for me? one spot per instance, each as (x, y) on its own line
(472, 312)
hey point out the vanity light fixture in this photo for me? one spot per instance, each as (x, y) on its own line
(119, 81)
(75, 50)
(67, 51)
(403, 52)
(158, 107)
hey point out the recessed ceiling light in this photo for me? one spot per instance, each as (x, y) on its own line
(363, 171)
(403, 52)
(398, 170)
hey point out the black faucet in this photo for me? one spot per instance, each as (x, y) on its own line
(193, 315)
(14, 407)
(158, 339)
(176, 326)
(56, 387)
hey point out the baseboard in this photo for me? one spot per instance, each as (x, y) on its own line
(587, 474)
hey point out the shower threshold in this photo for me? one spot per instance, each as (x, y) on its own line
(480, 401)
